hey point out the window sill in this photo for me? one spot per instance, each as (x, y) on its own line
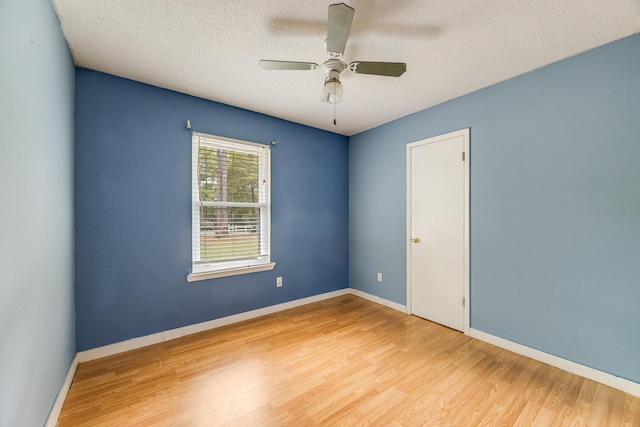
(194, 277)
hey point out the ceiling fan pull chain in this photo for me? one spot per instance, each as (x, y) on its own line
(334, 113)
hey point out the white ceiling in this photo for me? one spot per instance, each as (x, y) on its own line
(211, 48)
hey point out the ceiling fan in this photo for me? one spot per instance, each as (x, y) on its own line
(338, 27)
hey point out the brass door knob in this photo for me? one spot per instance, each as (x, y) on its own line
(415, 240)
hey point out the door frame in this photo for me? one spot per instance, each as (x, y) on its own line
(466, 288)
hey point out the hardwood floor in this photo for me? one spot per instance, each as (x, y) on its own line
(344, 361)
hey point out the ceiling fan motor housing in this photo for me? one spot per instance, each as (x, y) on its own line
(333, 67)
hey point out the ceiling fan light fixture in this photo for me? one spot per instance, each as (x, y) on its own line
(332, 91)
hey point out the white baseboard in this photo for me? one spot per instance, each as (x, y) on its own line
(378, 300)
(52, 419)
(134, 343)
(605, 378)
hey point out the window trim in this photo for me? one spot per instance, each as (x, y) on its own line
(210, 270)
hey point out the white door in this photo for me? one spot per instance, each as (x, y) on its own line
(437, 229)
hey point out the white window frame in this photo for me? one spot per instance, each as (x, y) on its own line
(202, 271)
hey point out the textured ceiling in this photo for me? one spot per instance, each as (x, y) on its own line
(211, 49)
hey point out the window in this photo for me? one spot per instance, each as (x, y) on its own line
(230, 207)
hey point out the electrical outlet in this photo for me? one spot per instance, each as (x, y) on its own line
(278, 281)
(379, 277)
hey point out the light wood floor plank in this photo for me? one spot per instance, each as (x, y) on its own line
(344, 361)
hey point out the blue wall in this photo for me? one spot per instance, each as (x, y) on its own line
(133, 211)
(555, 206)
(37, 332)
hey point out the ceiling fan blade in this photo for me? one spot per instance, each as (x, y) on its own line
(391, 69)
(338, 27)
(287, 65)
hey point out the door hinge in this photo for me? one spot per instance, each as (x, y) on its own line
(463, 156)
(464, 301)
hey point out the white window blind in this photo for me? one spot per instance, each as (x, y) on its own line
(231, 203)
